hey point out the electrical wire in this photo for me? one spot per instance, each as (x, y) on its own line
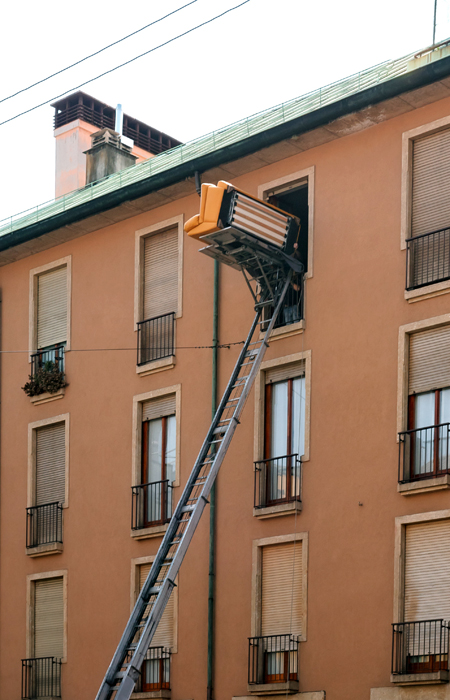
(114, 43)
(178, 347)
(111, 70)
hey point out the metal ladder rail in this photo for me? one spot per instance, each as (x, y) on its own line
(185, 518)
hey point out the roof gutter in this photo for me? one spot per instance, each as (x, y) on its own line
(320, 117)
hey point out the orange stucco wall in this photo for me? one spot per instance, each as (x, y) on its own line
(354, 307)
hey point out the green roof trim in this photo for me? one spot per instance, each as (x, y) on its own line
(262, 129)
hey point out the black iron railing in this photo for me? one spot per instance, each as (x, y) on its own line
(424, 453)
(151, 504)
(292, 308)
(44, 524)
(277, 480)
(51, 355)
(428, 259)
(273, 659)
(420, 647)
(41, 678)
(155, 671)
(156, 338)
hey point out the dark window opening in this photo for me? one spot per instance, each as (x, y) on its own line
(295, 202)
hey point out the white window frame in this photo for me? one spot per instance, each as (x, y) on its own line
(31, 580)
(257, 546)
(134, 592)
(33, 299)
(31, 471)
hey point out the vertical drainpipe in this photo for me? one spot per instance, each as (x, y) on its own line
(212, 498)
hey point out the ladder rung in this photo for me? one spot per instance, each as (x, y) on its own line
(187, 509)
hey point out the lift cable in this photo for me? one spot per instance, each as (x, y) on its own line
(114, 43)
(111, 70)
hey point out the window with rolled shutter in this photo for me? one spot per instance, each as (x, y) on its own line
(52, 308)
(429, 359)
(160, 274)
(431, 183)
(158, 408)
(48, 618)
(282, 594)
(427, 571)
(50, 464)
(164, 635)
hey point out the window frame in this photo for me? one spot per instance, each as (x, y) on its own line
(31, 462)
(136, 446)
(31, 580)
(400, 554)
(408, 138)
(33, 287)
(260, 400)
(140, 236)
(134, 592)
(256, 595)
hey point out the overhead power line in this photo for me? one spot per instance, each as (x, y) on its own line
(177, 347)
(77, 63)
(126, 63)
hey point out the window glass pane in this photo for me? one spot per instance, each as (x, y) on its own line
(298, 416)
(279, 419)
(154, 450)
(444, 432)
(424, 410)
(170, 448)
(424, 439)
(444, 409)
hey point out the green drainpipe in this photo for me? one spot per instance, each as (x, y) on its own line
(212, 498)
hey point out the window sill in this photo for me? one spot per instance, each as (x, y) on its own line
(278, 510)
(43, 549)
(148, 532)
(273, 688)
(47, 397)
(286, 331)
(425, 486)
(164, 693)
(156, 366)
(435, 678)
(431, 290)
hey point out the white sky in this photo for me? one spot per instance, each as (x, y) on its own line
(259, 55)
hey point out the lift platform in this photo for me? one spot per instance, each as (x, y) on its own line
(246, 243)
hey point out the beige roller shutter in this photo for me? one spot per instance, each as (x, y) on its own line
(161, 274)
(50, 464)
(431, 183)
(284, 372)
(157, 408)
(281, 596)
(429, 359)
(52, 307)
(164, 636)
(427, 571)
(48, 618)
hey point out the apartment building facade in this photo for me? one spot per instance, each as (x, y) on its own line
(332, 554)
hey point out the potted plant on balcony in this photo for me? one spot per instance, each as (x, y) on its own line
(47, 379)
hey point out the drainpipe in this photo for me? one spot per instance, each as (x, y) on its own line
(212, 497)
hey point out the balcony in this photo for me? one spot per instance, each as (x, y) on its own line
(273, 664)
(420, 652)
(41, 678)
(155, 673)
(48, 358)
(424, 455)
(427, 259)
(151, 504)
(156, 339)
(292, 309)
(277, 485)
(44, 526)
